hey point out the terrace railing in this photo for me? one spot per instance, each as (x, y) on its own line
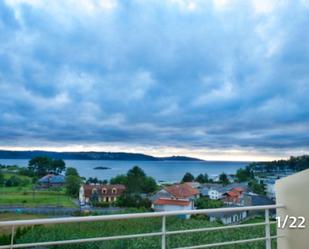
(164, 233)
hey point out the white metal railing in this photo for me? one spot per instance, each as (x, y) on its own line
(163, 233)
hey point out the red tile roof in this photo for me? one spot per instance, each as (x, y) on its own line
(238, 189)
(172, 202)
(181, 190)
(233, 193)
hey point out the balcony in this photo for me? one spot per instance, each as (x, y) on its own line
(291, 203)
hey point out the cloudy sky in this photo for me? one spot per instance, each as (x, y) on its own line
(215, 79)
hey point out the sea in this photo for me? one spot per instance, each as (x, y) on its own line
(161, 171)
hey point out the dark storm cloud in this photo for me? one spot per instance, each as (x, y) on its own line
(178, 73)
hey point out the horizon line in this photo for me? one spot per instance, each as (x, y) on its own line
(136, 152)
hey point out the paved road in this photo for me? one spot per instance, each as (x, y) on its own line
(55, 210)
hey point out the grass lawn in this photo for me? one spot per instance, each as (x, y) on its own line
(7, 175)
(26, 197)
(41, 198)
(8, 190)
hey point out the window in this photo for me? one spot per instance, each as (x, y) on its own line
(104, 191)
(235, 218)
(114, 190)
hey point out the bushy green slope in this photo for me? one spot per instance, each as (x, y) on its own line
(110, 228)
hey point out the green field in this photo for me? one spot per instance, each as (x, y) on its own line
(121, 227)
(7, 190)
(32, 199)
(26, 196)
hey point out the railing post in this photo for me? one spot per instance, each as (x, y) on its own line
(267, 229)
(163, 240)
(12, 237)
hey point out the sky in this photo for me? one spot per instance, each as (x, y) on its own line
(213, 79)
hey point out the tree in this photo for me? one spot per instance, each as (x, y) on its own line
(57, 166)
(257, 188)
(204, 203)
(188, 177)
(136, 181)
(223, 179)
(136, 172)
(70, 171)
(244, 175)
(202, 178)
(26, 172)
(1, 179)
(72, 184)
(133, 200)
(41, 165)
(95, 180)
(149, 185)
(119, 179)
(13, 181)
(94, 197)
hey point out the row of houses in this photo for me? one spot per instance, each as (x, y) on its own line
(183, 196)
(174, 197)
(217, 191)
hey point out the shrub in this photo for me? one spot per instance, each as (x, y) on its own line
(101, 204)
(13, 181)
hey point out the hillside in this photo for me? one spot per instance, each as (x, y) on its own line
(91, 155)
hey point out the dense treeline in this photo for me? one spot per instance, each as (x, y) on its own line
(298, 163)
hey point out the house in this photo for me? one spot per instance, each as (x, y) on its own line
(175, 197)
(228, 217)
(270, 188)
(182, 191)
(204, 189)
(215, 193)
(51, 180)
(161, 194)
(100, 192)
(177, 191)
(242, 185)
(166, 204)
(234, 197)
(195, 185)
(252, 199)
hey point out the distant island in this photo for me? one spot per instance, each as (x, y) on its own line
(101, 167)
(91, 155)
